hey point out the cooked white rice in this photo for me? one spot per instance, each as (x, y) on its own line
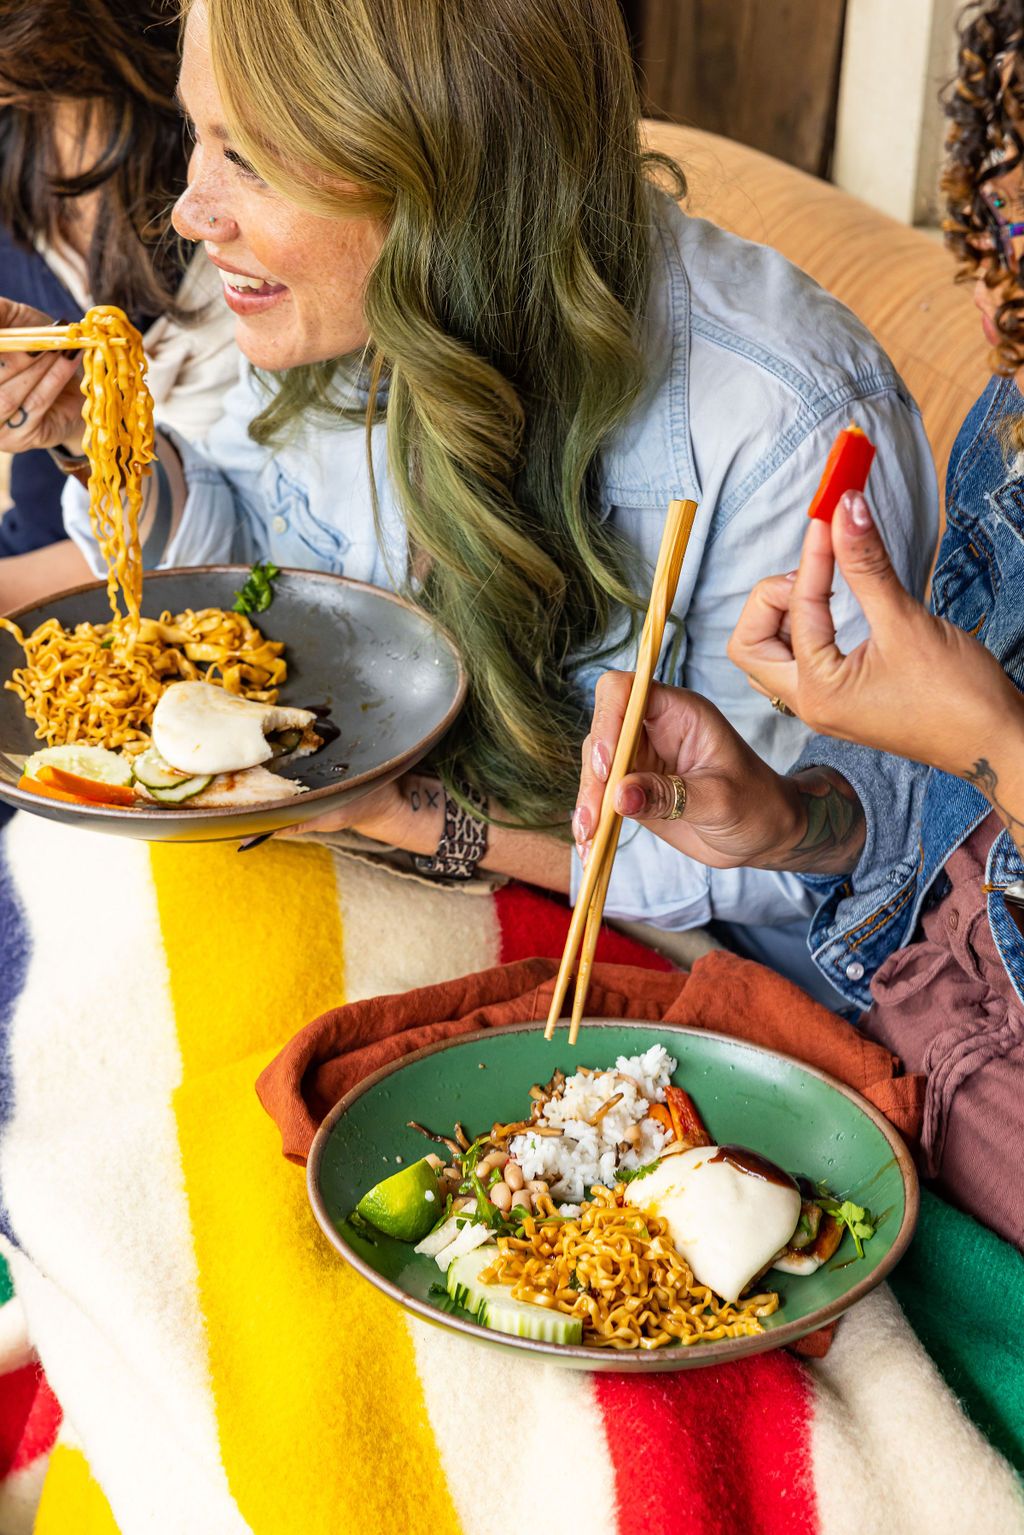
(587, 1154)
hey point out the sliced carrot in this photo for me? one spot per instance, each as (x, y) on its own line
(48, 791)
(686, 1122)
(87, 788)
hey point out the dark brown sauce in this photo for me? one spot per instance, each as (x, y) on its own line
(747, 1161)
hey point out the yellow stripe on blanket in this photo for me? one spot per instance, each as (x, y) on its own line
(72, 1500)
(321, 1415)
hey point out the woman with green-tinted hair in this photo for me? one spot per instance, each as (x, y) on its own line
(484, 350)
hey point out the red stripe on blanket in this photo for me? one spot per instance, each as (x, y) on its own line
(29, 1418)
(713, 1451)
(533, 924)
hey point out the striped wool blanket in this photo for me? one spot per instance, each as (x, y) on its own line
(219, 1371)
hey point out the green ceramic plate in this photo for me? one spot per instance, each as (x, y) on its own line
(806, 1121)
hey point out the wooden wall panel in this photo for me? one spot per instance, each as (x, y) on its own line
(762, 72)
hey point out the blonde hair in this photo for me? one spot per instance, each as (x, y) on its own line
(498, 142)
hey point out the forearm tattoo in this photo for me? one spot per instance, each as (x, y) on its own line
(984, 777)
(833, 834)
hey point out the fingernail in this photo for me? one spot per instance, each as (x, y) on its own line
(630, 800)
(600, 760)
(791, 575)
(857, 510)
(243, 847)
(581, 823)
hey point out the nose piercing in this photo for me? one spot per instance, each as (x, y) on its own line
(212, 222)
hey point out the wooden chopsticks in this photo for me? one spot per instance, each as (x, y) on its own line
(586, 918)
(45, 338)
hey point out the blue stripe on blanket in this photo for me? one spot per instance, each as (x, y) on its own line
(14, 954)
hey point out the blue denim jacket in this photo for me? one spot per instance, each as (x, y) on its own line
(917, 817)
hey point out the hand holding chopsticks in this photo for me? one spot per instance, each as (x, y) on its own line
(586, 917)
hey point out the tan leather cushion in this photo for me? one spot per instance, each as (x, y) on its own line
(899, 281)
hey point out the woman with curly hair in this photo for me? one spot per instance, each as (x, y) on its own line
(92, 157)
(485, 352)
(906, 815)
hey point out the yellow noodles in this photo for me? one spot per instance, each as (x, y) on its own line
(118, 442)
(77, 687)
(615, 1268)
(99, 683)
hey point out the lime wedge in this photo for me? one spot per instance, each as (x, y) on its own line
(405, 1205)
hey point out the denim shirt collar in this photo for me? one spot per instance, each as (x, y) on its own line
(657, 431)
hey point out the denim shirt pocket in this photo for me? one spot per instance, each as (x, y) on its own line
(965, 582)
(310, 541)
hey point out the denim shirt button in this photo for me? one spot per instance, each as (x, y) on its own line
(855, 971)
(280, 524)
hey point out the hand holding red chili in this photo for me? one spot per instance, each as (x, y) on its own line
(917, 686)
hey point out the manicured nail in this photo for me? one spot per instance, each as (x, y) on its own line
(243, 847)
(791, 575)
(630, 800)
(857, 510)
(600, 761)
(581, 827)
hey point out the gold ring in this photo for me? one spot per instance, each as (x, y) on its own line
(779, 706)
(678, 798)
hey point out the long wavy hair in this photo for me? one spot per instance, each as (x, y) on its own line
(118, 59)
(498, 142)
(985, 139)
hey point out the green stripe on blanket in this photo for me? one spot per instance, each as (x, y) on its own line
(962, 1289)
(6, 1286)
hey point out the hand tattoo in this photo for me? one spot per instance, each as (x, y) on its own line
(18, 419)
(984, 777)
(834, 832)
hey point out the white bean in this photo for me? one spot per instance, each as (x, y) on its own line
(537, 1186)
(501, 1195)
(522, 1197)
(491, 1160)
(514, 1176)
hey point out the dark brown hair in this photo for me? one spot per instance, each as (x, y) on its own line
(119, 59)
(985, 108)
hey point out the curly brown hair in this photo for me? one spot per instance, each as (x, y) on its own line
(985, 139)
(119, 59)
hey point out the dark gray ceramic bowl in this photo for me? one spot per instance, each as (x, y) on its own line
(392, 682)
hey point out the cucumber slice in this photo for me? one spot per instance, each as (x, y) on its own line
(184, 790)
(93, 762)
(494, 1307)
(154, 772)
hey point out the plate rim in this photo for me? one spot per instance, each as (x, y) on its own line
(625, 1361)
(23, 799)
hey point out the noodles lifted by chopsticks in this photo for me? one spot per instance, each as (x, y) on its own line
(615, 1268)
(118, 442)
(98, 684)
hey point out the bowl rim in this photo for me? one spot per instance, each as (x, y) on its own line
(624, 1361)
(143, 815)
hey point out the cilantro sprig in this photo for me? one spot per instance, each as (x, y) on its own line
(258, 592)
(858, 1221)
(631, 1174)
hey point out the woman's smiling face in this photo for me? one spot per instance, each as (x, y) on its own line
(294, 280)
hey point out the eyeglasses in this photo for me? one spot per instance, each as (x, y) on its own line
(1001, 234)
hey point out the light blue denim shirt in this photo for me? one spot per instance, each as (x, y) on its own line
(752, 371)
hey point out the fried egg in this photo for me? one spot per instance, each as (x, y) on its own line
(729, 1212)
(200, 728)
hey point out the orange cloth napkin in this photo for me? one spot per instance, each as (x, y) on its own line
(722, 993)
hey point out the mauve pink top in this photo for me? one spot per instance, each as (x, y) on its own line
(946, 1006)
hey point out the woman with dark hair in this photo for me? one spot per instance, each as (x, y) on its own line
(92, 158)
(909, 826)
(486, 350)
